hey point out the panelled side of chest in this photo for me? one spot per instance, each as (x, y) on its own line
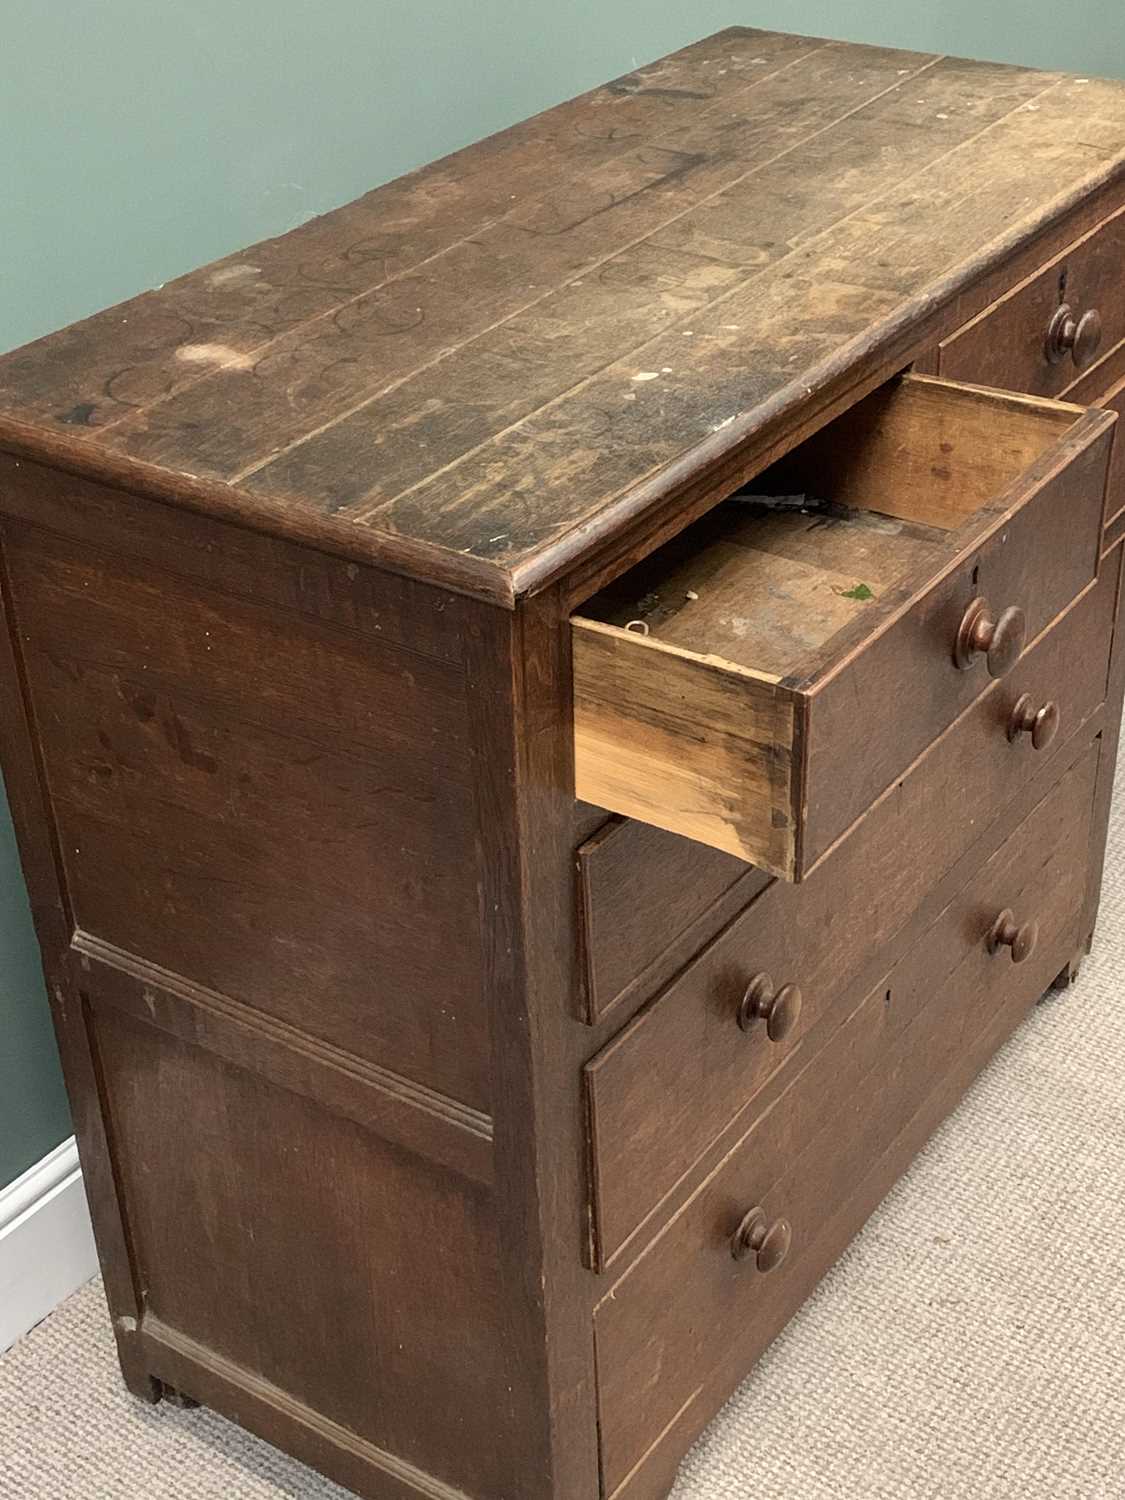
(246, 779)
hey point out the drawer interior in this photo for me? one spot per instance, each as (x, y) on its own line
(777, 579)
(724, 684)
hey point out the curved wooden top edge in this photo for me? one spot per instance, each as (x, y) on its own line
(423, 561)
(815, 396)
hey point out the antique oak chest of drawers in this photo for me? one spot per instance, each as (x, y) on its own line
(556, 716)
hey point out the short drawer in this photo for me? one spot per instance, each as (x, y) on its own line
(646, 896)
(760, 680)
(1104, 385)
(688, 1318)
(1047, 329)
(685, 1068)
(1114, 401)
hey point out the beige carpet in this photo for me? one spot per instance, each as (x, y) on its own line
(970, 1345)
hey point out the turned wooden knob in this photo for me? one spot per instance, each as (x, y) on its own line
(779, 1009)
(767, 1243)
(1078, 337)
(1004, 933)
(999, 640)
(1042, 724)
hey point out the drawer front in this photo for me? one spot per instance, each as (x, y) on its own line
(645, 897)
(1114, 400)
(722, 687)
(1101, 384)
(1104, 385)
(685, 1322)
(1009, 344)
(685, 1069)
(901, 690)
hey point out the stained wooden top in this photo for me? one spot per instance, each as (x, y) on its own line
(477, 371)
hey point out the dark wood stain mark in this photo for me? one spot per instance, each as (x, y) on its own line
(79, 415)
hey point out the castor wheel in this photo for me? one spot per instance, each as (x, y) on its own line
(1067, 975)
(179, 1399)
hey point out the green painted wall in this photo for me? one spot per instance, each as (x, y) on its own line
(139, 139)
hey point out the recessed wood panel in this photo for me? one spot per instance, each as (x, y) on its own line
(261, 805)
(295, 1245)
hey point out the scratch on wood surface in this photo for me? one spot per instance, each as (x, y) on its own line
(228, 274)
(214, 354)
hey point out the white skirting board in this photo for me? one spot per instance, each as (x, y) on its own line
(46, 1243)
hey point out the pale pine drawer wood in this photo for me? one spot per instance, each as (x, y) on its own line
(794, 665)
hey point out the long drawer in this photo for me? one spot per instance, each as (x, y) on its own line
(685, 1068)
(723, 687)
(690, 1315)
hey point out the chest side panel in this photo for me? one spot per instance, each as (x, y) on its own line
(259, 804)
(259, 801)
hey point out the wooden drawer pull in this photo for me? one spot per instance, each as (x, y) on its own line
(767, 1243)
(1078, 337)
(1005, 934)
(1000, 640)
(1042, 724)
(779, 1009)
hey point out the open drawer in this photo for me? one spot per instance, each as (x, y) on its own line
(761, 679)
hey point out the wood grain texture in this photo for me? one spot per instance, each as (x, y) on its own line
(1114, 533)
(685, 1318)
(252, 787)
(452, 373)
(1037, 549)
(638, 747)
(395, 1108)
(682, 1071)
(1005, 345)
(1104, 385)
(646, 895)
(37, 833)
(181, 1363)
(252, 566)
(299, 818)
(346, 1304)
(729, 712)
(771, 590)
(1090, 386)
(186, 772)
(518, 667)
(925, 450)
(1114, 400)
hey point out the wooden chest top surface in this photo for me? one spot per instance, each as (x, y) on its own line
(476, 371)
